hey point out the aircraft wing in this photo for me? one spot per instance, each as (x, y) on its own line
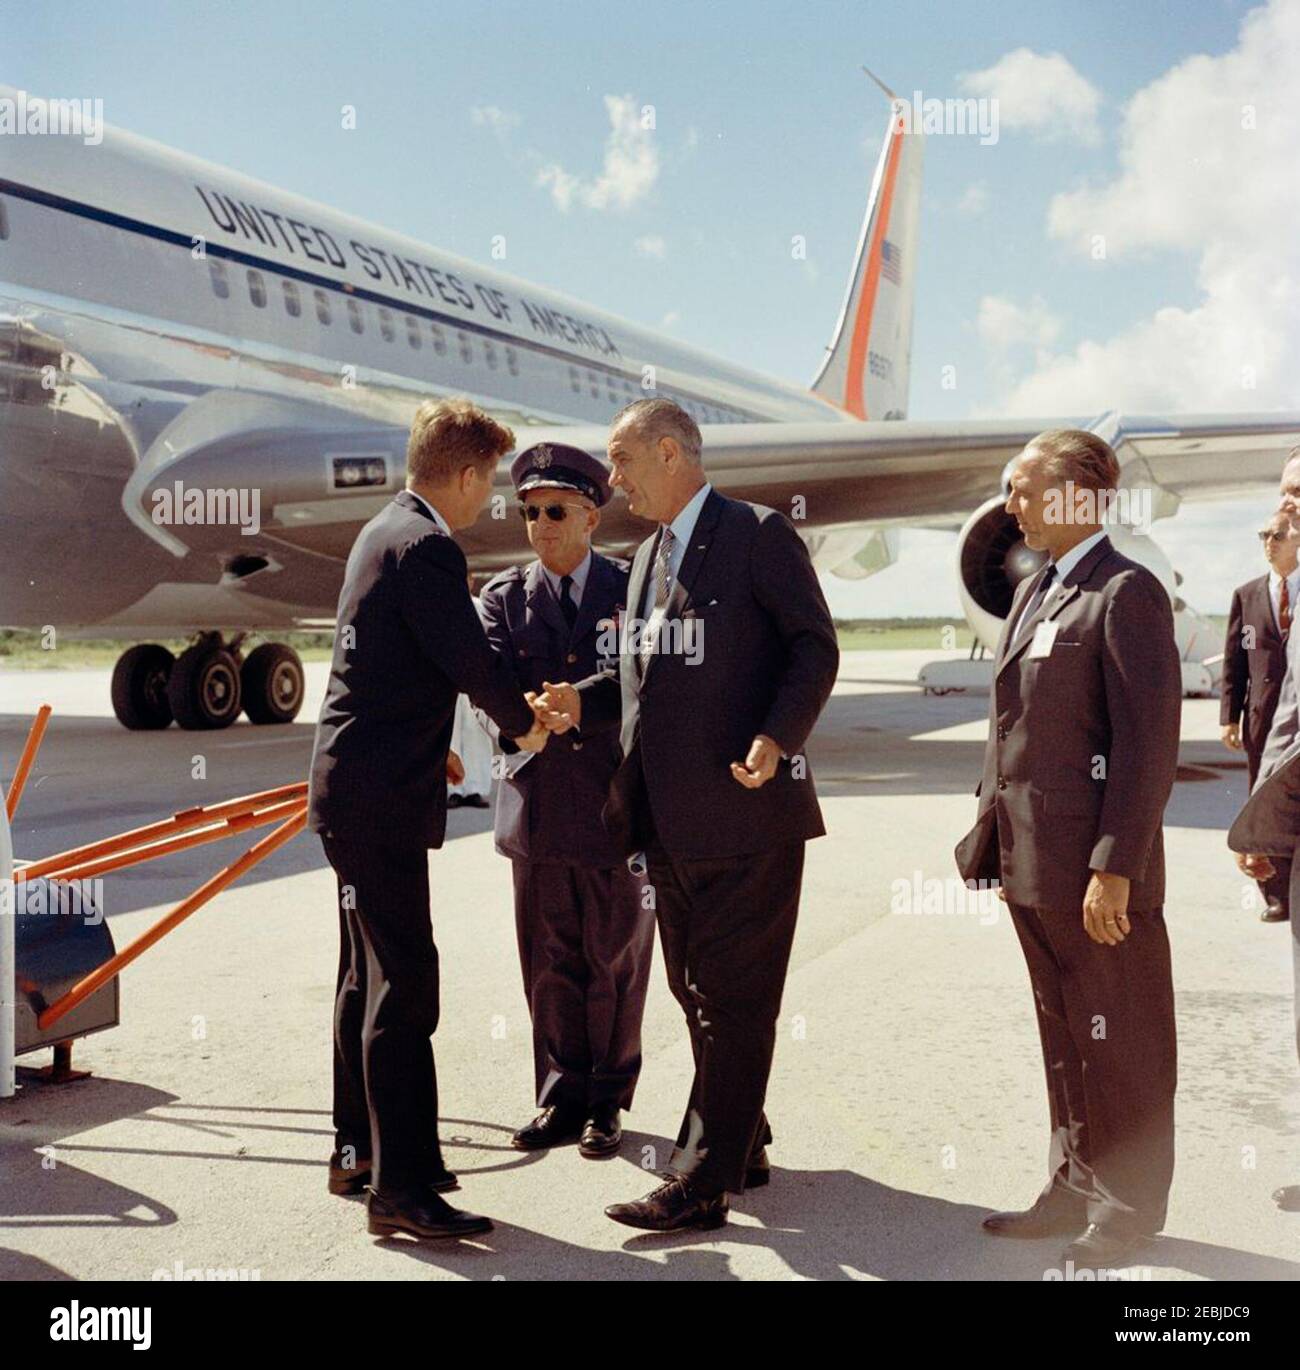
(841, 482)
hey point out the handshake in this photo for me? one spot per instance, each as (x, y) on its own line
(557, 709)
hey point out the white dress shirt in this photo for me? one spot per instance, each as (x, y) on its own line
(683, 528)
(1275, 594)
(1064, 565)
(437, 517)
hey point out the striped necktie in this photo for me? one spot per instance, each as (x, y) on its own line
(662, 584)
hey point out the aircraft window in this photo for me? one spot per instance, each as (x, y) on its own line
(386, 324)
(439, 341)
(356, 320)
(220, 281)
(257, 289)
(593, 384)
(413, 334)
(292, 304)
(466, 352)
(322, 307)
(575, 379)
(512, 361)
(489, 355)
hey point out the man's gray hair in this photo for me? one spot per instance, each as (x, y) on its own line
(1078, 455)
(663, 418)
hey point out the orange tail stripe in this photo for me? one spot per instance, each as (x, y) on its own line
(854, 401)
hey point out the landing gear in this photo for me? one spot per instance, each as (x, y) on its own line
(140, 687)
(273, 684)
(204, 687)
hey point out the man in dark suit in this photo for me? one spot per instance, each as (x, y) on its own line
(1254, 664)
(585, 930)
(728, 652)
(407, 641)
(1267, 834)
(1272, 818)
(1254, 667)
(1083, 745)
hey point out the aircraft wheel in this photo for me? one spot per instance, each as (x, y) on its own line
(140, 687)
(204, 689)
(273, 684)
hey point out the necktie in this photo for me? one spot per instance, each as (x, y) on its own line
(1284, 610)
(567, 606)
(1038, 600)
(662, 584)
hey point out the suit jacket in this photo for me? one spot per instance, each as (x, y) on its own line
(1254, 663)
(1269, 822)
(761, 658)
(1083, 743)
(407, 641)
(1284, 729)
(548, 807)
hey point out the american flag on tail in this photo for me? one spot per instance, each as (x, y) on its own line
(891, 261)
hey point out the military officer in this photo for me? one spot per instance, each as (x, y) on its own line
(585, 937)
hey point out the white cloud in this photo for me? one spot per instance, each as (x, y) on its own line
(650, 245)
(629, 171)
(1193, 179)
(493, 117)
(1004, 325)
(975, 199)
(1041, 93)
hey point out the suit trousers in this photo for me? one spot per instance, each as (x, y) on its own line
(1294, 870)
(1277, 888)
(726, 927)
(585, 945)
(1106, 1021)
(385, 1012)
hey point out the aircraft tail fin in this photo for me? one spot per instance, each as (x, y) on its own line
(866, 367)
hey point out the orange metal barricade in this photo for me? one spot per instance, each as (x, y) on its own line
(285, 806)
(30, 748)
(287, 830)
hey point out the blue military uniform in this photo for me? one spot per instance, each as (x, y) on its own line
(585, 939)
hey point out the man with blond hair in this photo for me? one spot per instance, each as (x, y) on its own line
(407, 642)
(1083, 745)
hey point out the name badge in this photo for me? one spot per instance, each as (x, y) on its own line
(1044, 640)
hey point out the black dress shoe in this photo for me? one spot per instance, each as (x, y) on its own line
(602, 1136)
(1274, 912)
(420, 1215)
(553, 1126)
(672, 1207)
(442, 1180)
(1098, 1248)
(758, 1171)
(454, 801)
(476, 801)
(345, 1180)
(1047, 1218)
(1288, 1198)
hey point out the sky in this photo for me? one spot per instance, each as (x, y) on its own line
(477, 122)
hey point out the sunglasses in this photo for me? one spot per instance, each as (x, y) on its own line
(555, 512)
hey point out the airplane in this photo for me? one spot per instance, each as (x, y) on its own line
(206, 384)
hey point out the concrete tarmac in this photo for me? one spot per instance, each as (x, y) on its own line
(907, 1094)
